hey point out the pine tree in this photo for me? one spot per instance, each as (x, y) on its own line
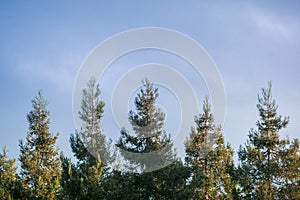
(289, 178)
(90, 147)
(170, 181)
(160, 175)
(269, 166)
(149, 136)
(8, 177)
(121, 185)
(210, 159)
(40, 162)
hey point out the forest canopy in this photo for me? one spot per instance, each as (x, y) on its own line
(268, 165)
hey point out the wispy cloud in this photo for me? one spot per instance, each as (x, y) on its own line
(60, 73)
(273, 25)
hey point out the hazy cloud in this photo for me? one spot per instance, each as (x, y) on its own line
(60, 73)
(273, 25)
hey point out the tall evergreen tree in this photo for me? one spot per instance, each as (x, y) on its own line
(8, 177)
(269, 166)
(149, 136)
(210, 159)
(149, 148)
(40, 162)
(90, 147)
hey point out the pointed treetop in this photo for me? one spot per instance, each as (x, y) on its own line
(39, 103)
(206, 105)
(267, 108)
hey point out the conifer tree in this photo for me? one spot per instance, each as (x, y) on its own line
(83, 179)
(289, 162)
(153, 180)
(40, 162)
(269, 166)
(210, 159)
(149, 136)
(8, 177)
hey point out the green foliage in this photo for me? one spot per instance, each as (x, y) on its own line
(83, 179)
(9, 181)
(40, 162)
(148, 150)
(121, 185)
(269, 167)
(290, 170)
(149, 136)
(168, 182)
(210, 160)
(91, 133)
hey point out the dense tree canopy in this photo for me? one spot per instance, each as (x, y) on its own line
(268, 168)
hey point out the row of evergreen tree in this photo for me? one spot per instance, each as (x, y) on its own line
(268, 168)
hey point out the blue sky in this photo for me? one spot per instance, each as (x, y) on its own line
(43, 45)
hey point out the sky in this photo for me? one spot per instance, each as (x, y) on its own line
(43, 45)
